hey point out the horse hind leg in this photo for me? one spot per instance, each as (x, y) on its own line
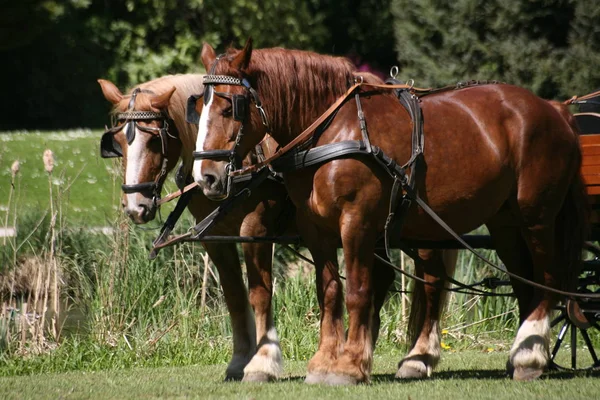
(514, 253)
(530, 354)
(427, 304)
(267, 363)
(553, 231)
(224, 256)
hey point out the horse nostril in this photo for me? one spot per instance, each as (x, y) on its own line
(209, 179)
(143, 210)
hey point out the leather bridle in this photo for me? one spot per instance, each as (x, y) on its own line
(128, 121)
(240, 112)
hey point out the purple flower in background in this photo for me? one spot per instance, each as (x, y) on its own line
(363, 66)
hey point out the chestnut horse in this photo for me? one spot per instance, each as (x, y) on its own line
(256, 350)
(253, 359)
(494, 154)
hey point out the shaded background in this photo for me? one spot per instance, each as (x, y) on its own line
(52, 52)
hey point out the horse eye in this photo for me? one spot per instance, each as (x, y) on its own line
(226, 112)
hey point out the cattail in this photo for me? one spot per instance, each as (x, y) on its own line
(48, 160)
(14, 169)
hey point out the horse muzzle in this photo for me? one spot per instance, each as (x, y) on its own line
(140, 213)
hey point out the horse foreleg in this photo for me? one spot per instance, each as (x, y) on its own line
(267, 363)
(426, 308)
(354, 364)
(329, 295)
(225, 258)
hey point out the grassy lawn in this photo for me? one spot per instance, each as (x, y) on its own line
(461, 375)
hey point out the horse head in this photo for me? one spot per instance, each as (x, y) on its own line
(147, 140)
(228, 127)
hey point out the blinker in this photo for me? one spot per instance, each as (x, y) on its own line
(109, 147)
(191, 115)
(239, 107)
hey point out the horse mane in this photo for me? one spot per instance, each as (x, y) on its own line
(186, 85)
(295, 86)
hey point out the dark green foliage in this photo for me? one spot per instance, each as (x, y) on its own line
(545, 45)
(53, 51)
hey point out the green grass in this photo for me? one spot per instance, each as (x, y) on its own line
(93, 196)
(461, 375)
(137, 320)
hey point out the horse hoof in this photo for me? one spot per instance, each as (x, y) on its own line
(526, 374)
(258, 377)
(412, 370)
(234, 377)
(315, 378)
(340, 380)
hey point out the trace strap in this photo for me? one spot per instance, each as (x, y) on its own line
(441, 222)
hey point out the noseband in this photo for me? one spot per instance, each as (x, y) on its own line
(128, 121)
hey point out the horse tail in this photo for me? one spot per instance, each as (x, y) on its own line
(572, 228)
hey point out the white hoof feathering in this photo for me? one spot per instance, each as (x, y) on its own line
(530, 349)
(423, 357)
(268, 359)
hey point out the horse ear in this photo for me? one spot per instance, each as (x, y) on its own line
(207, 56)
(110, 91)
(242, 59)
(161, 101)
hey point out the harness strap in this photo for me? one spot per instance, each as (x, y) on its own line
(308, 132)
(254, 181)
(170, 224)
(410, 192)
(578, 99)
(362, 122)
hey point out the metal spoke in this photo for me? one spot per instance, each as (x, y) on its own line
(560, 338)
(573, 347)
(589, 345)
(556, 320)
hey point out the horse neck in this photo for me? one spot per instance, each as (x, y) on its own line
(295, 99)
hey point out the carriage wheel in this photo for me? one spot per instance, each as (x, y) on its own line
(577, 325)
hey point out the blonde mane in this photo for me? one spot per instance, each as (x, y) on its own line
(185, 85)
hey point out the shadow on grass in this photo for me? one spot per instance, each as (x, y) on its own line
(487, 374)
(474, 374)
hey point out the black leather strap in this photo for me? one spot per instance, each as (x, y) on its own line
(139, 187)
(216, 155)
(203, 226)
(319, 155)
(170, 223)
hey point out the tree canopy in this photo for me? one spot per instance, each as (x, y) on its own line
(54, 50)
